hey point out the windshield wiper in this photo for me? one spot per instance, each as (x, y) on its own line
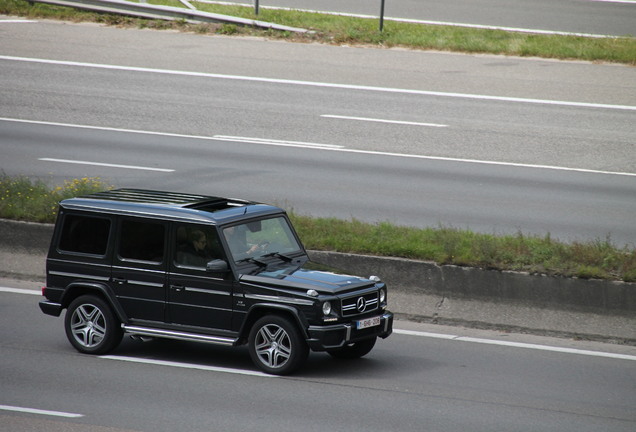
(278, 255)
(253, 260)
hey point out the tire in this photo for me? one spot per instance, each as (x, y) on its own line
(90, 325)
(276, 346)
(354, 350)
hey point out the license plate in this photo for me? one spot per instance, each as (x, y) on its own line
(369, 322)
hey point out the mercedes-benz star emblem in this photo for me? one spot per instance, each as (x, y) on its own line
(361, 304)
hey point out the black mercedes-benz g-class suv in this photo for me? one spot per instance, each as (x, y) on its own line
(201, 268)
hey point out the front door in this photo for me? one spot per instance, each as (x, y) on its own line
(196, 297)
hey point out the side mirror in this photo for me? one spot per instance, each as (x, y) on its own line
(217, 266)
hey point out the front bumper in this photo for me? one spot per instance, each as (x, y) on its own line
(322, 338)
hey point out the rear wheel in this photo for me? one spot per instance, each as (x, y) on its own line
(276, 346)
(91, 326)
(353, 350)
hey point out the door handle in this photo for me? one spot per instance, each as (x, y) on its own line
(119, 280)
(177, 288)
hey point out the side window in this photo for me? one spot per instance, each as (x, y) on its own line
(142, 240)
(85, 234)
(196, 245)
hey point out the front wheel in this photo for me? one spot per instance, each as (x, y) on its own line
(276, 346)
(91, 326)
(353, 350)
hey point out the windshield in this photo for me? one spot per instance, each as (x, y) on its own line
(256, 239)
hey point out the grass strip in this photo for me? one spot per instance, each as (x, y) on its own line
(22, 198)
(339, 30)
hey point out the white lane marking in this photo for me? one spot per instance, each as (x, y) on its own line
(105, 128)
(396, 331)
(323, 84)
(484, 162)
(441, 23)
(187, 366)
(400, 122)
(413, 156)
(614, 1)
(78, 162)
(277, 142)
(329, 148)
(20, 291)
(507, 29)
(40, 411)
(516, 344)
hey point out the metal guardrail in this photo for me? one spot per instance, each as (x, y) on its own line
(148, 11)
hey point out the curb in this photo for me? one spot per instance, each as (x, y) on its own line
(426, 292)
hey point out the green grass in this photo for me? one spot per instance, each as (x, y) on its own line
(333, 29)
(32, 200)
(540, 255)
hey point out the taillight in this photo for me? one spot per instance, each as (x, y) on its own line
(43, 289)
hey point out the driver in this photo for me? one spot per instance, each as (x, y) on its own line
(237, 243)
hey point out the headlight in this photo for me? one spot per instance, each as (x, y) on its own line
(326, 308)
(382, 296)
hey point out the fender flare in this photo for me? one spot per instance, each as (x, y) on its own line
(78, 288)
(263, 309)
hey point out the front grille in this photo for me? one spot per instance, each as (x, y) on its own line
(359, 304)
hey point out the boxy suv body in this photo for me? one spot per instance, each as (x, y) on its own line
(207, 269)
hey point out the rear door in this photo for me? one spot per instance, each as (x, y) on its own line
(139, 268)
(80, 251)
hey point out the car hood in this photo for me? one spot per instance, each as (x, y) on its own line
(305, 278)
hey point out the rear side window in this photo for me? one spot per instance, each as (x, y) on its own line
(142, 240)
(85, 234)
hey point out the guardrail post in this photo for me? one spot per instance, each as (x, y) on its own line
(256, 7)
(382, 15)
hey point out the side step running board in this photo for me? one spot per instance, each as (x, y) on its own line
(171, 334)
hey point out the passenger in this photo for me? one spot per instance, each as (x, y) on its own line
(195, 252)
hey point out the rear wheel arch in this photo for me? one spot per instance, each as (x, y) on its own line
(78, 289)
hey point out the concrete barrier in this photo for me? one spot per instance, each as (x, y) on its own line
(425, 292)
(412, 276)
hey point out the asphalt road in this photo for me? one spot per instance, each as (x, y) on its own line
(414, 380)
(325, 132)
(325, 181)
(411, 381)
(602, 17)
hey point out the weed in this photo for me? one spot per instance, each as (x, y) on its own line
(227, 29)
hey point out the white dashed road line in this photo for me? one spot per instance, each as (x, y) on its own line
(400, 122)
(109, 165)
(39, 411)
(314, 146)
